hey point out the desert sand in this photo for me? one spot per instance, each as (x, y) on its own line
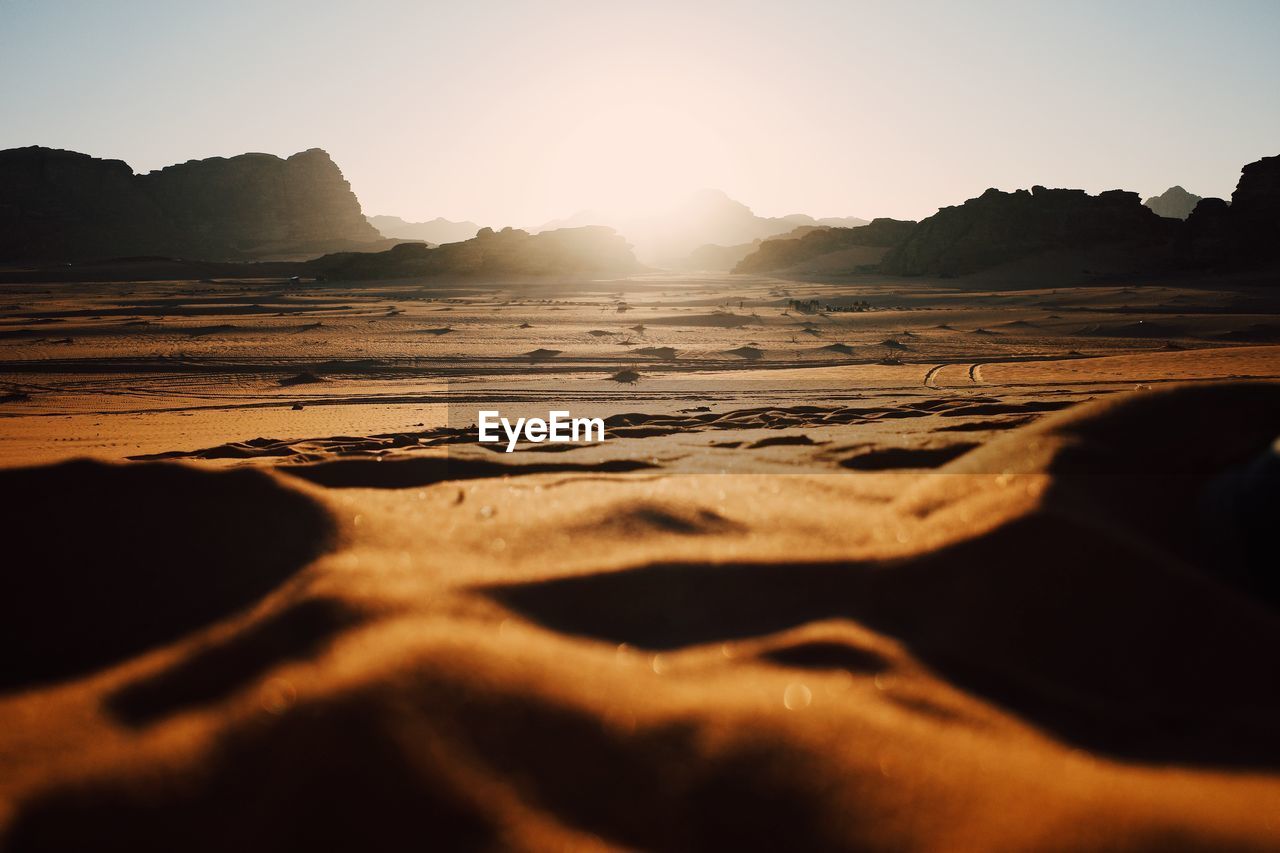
(969, 570)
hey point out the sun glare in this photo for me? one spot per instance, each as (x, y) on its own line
(635, 159)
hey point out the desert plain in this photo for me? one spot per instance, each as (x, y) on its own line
(863, 563)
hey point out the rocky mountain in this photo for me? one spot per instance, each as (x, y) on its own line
(509, 252)
(1173, 203)
(707, 218)
(1255, 210)
(1244, 233)
(714, 258)
(781, 253)
(802, 219)
(64, 206)
(437, 231)
(999, 226)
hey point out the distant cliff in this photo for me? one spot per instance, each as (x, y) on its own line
(1244, 233)
(1173, 203)
(998, 226)
(436, 231)
(782, 253)
(591, 250)
(64, 206)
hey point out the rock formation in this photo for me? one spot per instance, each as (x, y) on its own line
(1255, 211)
(591, 250)
(64, 206)
(436, 231)
(708, 217)
(999, 226)
(782, 253)
(1173, 203)
(1245, 233)
(1206, 239)
(714, 258)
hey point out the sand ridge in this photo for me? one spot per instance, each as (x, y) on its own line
(965, 571)
(964, 658)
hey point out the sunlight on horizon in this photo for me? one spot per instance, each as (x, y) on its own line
(527, 113)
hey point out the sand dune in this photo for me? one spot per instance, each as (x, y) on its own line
(1043, 644)
(1014, 591)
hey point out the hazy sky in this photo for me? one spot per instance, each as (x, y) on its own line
(513, 113)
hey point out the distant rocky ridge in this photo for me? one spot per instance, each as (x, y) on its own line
(715, 258)
(707, 218)
(1255, 211)
(1000, 226)
(1173, 203)
(59, 207)
(781, 253)
(1242, 234)
(510, 252)
(437, 231)
(64, 206)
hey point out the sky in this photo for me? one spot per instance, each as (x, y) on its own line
(513, 113)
